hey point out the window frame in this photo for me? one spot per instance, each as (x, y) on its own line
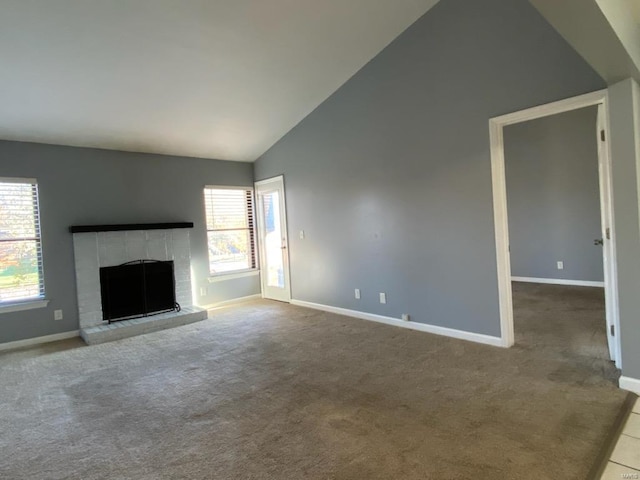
(40, 300)
(252, 235)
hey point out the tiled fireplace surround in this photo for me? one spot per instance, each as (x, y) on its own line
(93, 250)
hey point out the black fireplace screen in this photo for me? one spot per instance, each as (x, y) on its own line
(137, 289)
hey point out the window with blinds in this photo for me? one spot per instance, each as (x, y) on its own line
(21, 275)
(230, 229)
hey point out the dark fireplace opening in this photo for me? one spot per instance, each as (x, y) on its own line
(137, 289)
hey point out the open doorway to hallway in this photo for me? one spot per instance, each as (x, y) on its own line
(497, 126)
(554, 198)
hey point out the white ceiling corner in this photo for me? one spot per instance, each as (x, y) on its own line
(634, 6)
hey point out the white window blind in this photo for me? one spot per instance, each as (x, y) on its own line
(21, 275)
(230, 229)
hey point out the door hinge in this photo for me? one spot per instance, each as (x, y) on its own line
(608, 233)
(613, 330)
(602, 136)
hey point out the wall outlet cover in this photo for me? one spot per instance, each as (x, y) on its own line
(383, 297)
(57, 315)
(560, 265)
(357, 293)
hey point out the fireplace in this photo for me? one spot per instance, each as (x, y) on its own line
(138, 273)
(104, 246)
(137, 289)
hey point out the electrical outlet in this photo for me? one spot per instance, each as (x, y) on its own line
(406, 317)
(560, 265)
(57, 314)
(383, 297)
(301, 234)
(203, 291)
(357, 293)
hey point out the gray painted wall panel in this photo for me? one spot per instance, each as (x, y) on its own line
(625, 173)
(553, 196)
(89, 186)
(390, 177)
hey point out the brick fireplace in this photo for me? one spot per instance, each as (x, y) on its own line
(110, 245)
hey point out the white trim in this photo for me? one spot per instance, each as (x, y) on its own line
(233, 301)
(230, 187)
(558, 281)
(396, 322)
(19, 306)
(629, 383)
(32, 181)
(231, 276)
(269, 180)
(501, 225)
(503, 259)
(39, 340)
(607, 219)
(553, 108)
(635, 98)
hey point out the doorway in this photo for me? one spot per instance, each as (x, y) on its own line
(497, 125)
(273, 245)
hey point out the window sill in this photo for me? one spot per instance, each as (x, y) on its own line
(233, 275)
(28, 305)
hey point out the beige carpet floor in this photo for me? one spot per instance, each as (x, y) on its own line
(271, 391)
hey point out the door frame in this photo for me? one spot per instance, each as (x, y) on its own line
(279, 180)
(498, 180)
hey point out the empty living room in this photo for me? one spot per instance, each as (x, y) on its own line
(338, 239)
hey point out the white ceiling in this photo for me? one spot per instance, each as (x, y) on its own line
(634, 6)
(603, 32)
(219, 79)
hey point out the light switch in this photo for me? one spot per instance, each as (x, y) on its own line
(301, 234)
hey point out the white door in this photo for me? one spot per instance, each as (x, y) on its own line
(272, 239)
(608, 251)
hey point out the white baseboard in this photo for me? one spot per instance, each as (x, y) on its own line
(38, 340)
(629, 383)
(558, 281)
(396, 322)
(232, 301)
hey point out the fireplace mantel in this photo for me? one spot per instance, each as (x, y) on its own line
(129, 227)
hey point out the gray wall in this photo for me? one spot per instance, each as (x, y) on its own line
(625, 154)
(89, 186)
(390, 177)
(553, 196)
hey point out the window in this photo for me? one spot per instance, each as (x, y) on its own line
(21, 275)
(230, 232)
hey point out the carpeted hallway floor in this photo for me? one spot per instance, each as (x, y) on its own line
(270, 391)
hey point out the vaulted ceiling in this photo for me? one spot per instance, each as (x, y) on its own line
(223, 79)
(216, 79)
